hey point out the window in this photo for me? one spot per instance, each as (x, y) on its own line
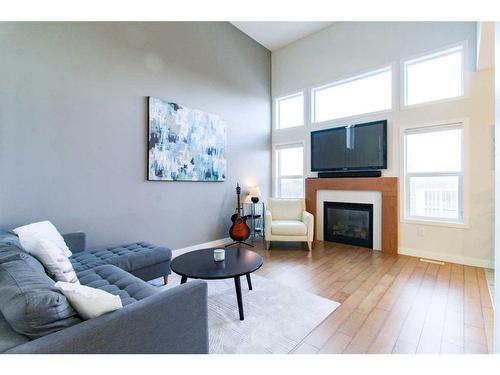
(371, 92)
(290, 171)
(434, 77)
(290, 111)
(434, 173)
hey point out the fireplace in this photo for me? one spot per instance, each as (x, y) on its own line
(385, 212)
(349, 223)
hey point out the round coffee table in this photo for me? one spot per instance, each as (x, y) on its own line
(200, 264)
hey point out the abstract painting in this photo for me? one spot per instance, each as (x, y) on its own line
(185, 144)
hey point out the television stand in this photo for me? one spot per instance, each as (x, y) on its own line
(345, 174)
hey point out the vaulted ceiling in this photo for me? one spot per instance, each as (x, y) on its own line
(275, 35)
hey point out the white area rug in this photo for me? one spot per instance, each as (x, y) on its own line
(277, 317)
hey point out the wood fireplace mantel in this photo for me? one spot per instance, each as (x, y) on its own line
(388, 186)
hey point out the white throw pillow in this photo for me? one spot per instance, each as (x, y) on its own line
(31, 233)
(89, 302)
(54, 260)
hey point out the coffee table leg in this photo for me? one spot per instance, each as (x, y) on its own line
(237, 285)
(249, 281)
(184, 279)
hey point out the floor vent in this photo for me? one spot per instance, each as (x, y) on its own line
(431, 261)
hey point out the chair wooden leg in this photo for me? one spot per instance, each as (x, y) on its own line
(268, 244)
(310, 245)
(165, 279)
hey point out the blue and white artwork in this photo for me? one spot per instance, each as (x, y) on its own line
(185, 144)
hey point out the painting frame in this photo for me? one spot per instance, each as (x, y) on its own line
(184, 144)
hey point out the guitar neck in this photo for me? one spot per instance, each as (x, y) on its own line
(238, 207)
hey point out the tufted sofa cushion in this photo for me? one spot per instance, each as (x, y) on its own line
(118, 282)
(128, 257)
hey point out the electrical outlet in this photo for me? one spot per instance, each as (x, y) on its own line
(420, 232)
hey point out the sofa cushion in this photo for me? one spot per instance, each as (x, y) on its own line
(29, 301)
(286, 208)
(20, 255)
(288, 228)
(128, 257)
(8, 337)
(9, 246)
(118, 282)
(9, 238)
(10, 249)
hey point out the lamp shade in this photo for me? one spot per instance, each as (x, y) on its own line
(254, 191)
(247, 199)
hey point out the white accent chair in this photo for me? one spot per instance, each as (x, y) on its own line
(288, 220)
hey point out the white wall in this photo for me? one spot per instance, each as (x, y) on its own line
(350, 48)
(497, 192)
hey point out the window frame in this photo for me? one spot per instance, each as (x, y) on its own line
(405, 217)
(277, 176)
(391, 67)
(278, 99)
(426, 56)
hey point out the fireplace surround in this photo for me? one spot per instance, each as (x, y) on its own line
(388, 186)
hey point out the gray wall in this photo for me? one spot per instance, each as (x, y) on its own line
(73, 121)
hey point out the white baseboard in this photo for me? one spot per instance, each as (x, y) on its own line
(219, 242)
(450, 258)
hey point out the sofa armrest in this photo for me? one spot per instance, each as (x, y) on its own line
(76, 241)
(268, 220)
(308, 220)
(171, 321)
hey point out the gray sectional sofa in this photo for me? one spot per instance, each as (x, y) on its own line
(36, 318)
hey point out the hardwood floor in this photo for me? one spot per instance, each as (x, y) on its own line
(389, 303)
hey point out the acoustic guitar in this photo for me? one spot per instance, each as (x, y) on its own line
(239, 230)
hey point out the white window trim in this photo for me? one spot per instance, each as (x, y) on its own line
(442, 51)
(367, 73)
(276, 174)
(278, 98)
(465, 203)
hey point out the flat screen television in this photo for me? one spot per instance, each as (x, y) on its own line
(354, 147)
